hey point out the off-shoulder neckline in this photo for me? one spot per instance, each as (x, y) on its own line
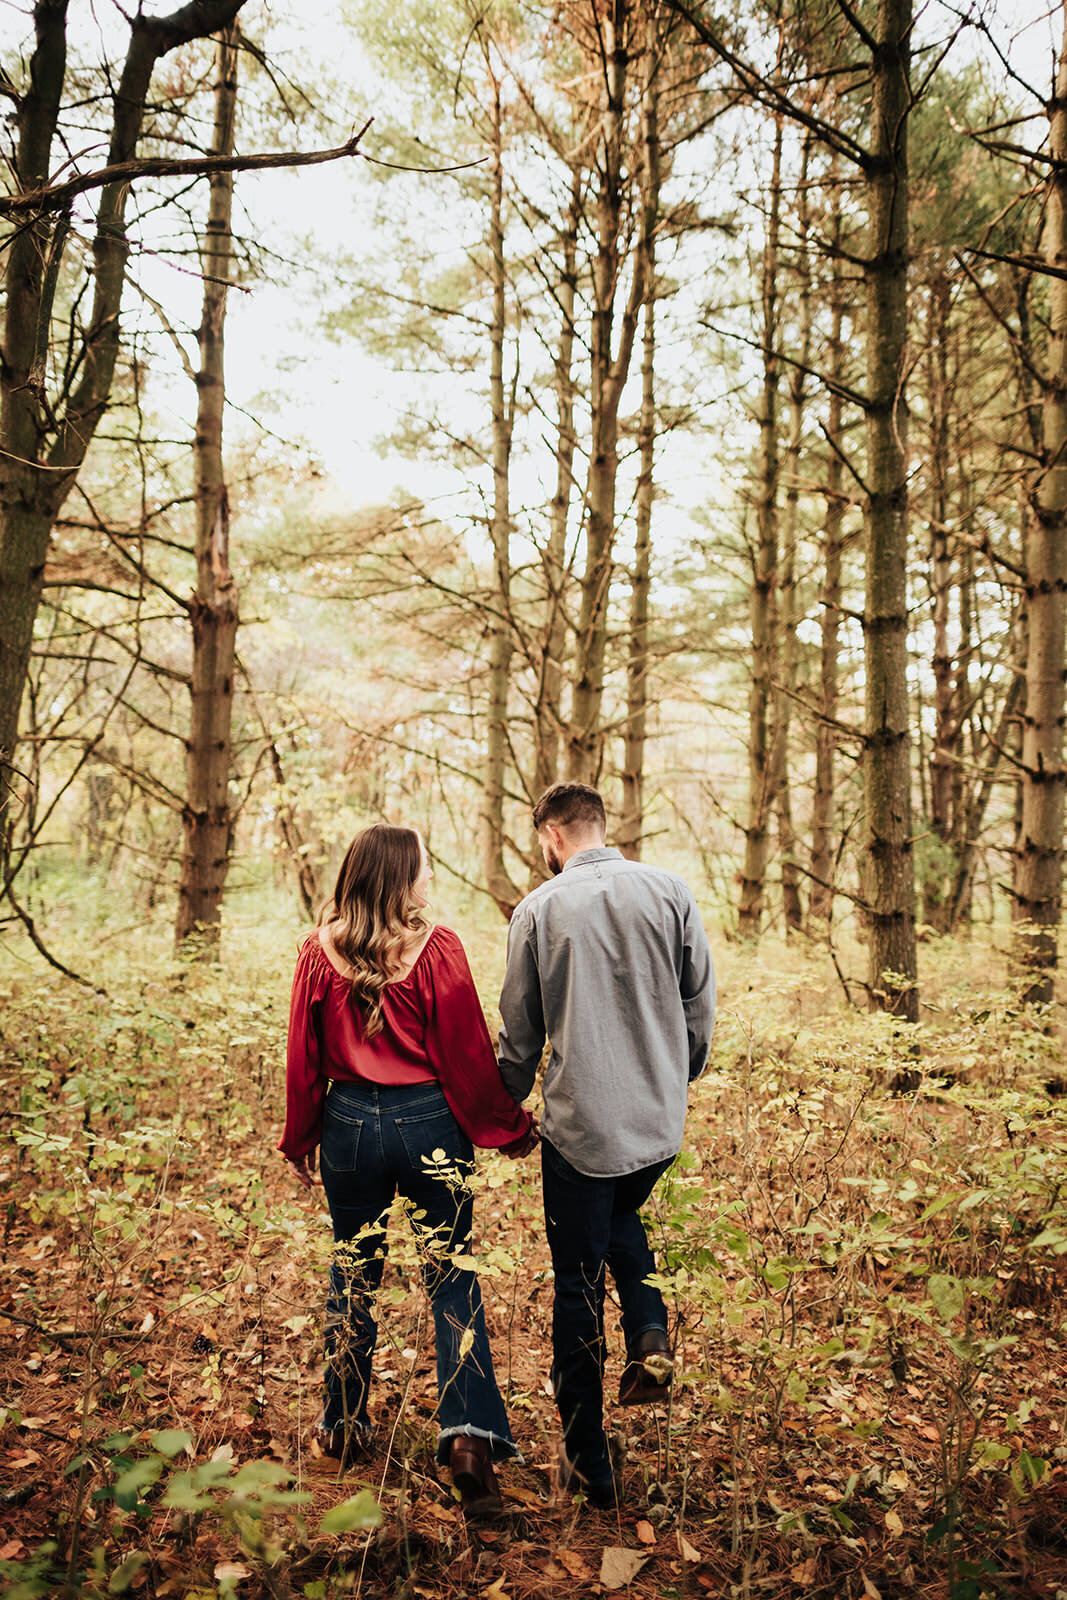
(316, 941)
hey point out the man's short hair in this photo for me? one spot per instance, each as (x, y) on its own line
(568, 804)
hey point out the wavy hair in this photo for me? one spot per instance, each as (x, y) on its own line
(373, 914)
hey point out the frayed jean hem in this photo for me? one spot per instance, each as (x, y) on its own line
(500, 1449)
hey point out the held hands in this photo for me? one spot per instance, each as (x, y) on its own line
(304, 1170)
(523, 1144)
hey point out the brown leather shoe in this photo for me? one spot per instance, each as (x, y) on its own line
(473, 1475)
(649, 1370)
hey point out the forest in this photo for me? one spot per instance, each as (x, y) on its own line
(403, 409)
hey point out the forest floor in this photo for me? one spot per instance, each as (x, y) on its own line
(864, 1249)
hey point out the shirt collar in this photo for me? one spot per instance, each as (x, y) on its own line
(600, 852)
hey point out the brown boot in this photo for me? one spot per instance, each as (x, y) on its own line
(649, 1370)
(473, 1475)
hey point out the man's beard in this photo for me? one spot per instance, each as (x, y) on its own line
(552, 862)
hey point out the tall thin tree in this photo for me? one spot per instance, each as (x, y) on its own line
(207, 820)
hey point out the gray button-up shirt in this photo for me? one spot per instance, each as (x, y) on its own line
(610, 960)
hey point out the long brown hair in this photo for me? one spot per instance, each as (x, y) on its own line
(373, 914)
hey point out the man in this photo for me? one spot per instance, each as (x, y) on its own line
(610, 960)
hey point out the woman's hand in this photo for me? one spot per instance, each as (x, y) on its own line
(304, 1170)
(524, 1143)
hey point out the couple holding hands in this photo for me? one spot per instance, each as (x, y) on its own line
(392, 1077)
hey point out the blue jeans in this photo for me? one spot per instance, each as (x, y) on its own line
(593, 1222)
(377, 1140)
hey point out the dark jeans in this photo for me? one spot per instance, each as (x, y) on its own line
(593, 1222)
(376, 1141)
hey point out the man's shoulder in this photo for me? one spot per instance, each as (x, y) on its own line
(528, 906)
(660, 878)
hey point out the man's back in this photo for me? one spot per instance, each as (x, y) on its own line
(610, 960)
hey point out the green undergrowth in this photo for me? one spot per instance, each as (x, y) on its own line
(863, 1247)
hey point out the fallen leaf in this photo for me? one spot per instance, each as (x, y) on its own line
(805, 1572)
(496, 1591)
(13, 1550)
(894, 1524)
(646, 1533)
(525, 1497)
(869, 1588)
(231, 1571)
(575, 1565)
(223, 1452)
(149, 1322)
(619, 1567)
(897, 1480)
(687, 1551)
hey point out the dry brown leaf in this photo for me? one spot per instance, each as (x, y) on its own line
(525, 1497)
(687, 1551)
(13, 1550)
(646, 1533)
(894, 1524)
(575, 1564)
(231, 1571)
(869, 1588)
(619, 1566)
(805, 1571)
(496, 1591)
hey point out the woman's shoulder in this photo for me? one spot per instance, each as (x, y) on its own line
(312, 957)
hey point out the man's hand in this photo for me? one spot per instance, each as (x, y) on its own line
(304, 1169)
(524, 1144)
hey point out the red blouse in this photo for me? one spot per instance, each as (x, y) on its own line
(433, 1030)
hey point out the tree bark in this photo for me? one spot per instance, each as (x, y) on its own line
(942, 765)
(890, 882)
(763, 605)
(608, 370)
(497, 878)
(207, 819)
(1039, 861)
(821, 899)
(631, 822)
(548, 715)
(792, 904)
(35, 477)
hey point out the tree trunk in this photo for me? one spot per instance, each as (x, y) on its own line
(792, 906)
(1039, 862)
(608, 371)
(548, 718)
(942, 766)
(207, 819)
(36, 478)
(763, 607)
(890, 882)
(821, 900)
(631, 823)
(497, 879)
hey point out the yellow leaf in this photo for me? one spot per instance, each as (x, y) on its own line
(894, 1524)
(466, 1345)
(869, 1589)
(496, 1591)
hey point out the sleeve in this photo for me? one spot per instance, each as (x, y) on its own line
(305, 1082)
(522, 1032)
(461, 1053)
(696, 983)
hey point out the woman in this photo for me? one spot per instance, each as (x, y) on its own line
(390, 1071)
